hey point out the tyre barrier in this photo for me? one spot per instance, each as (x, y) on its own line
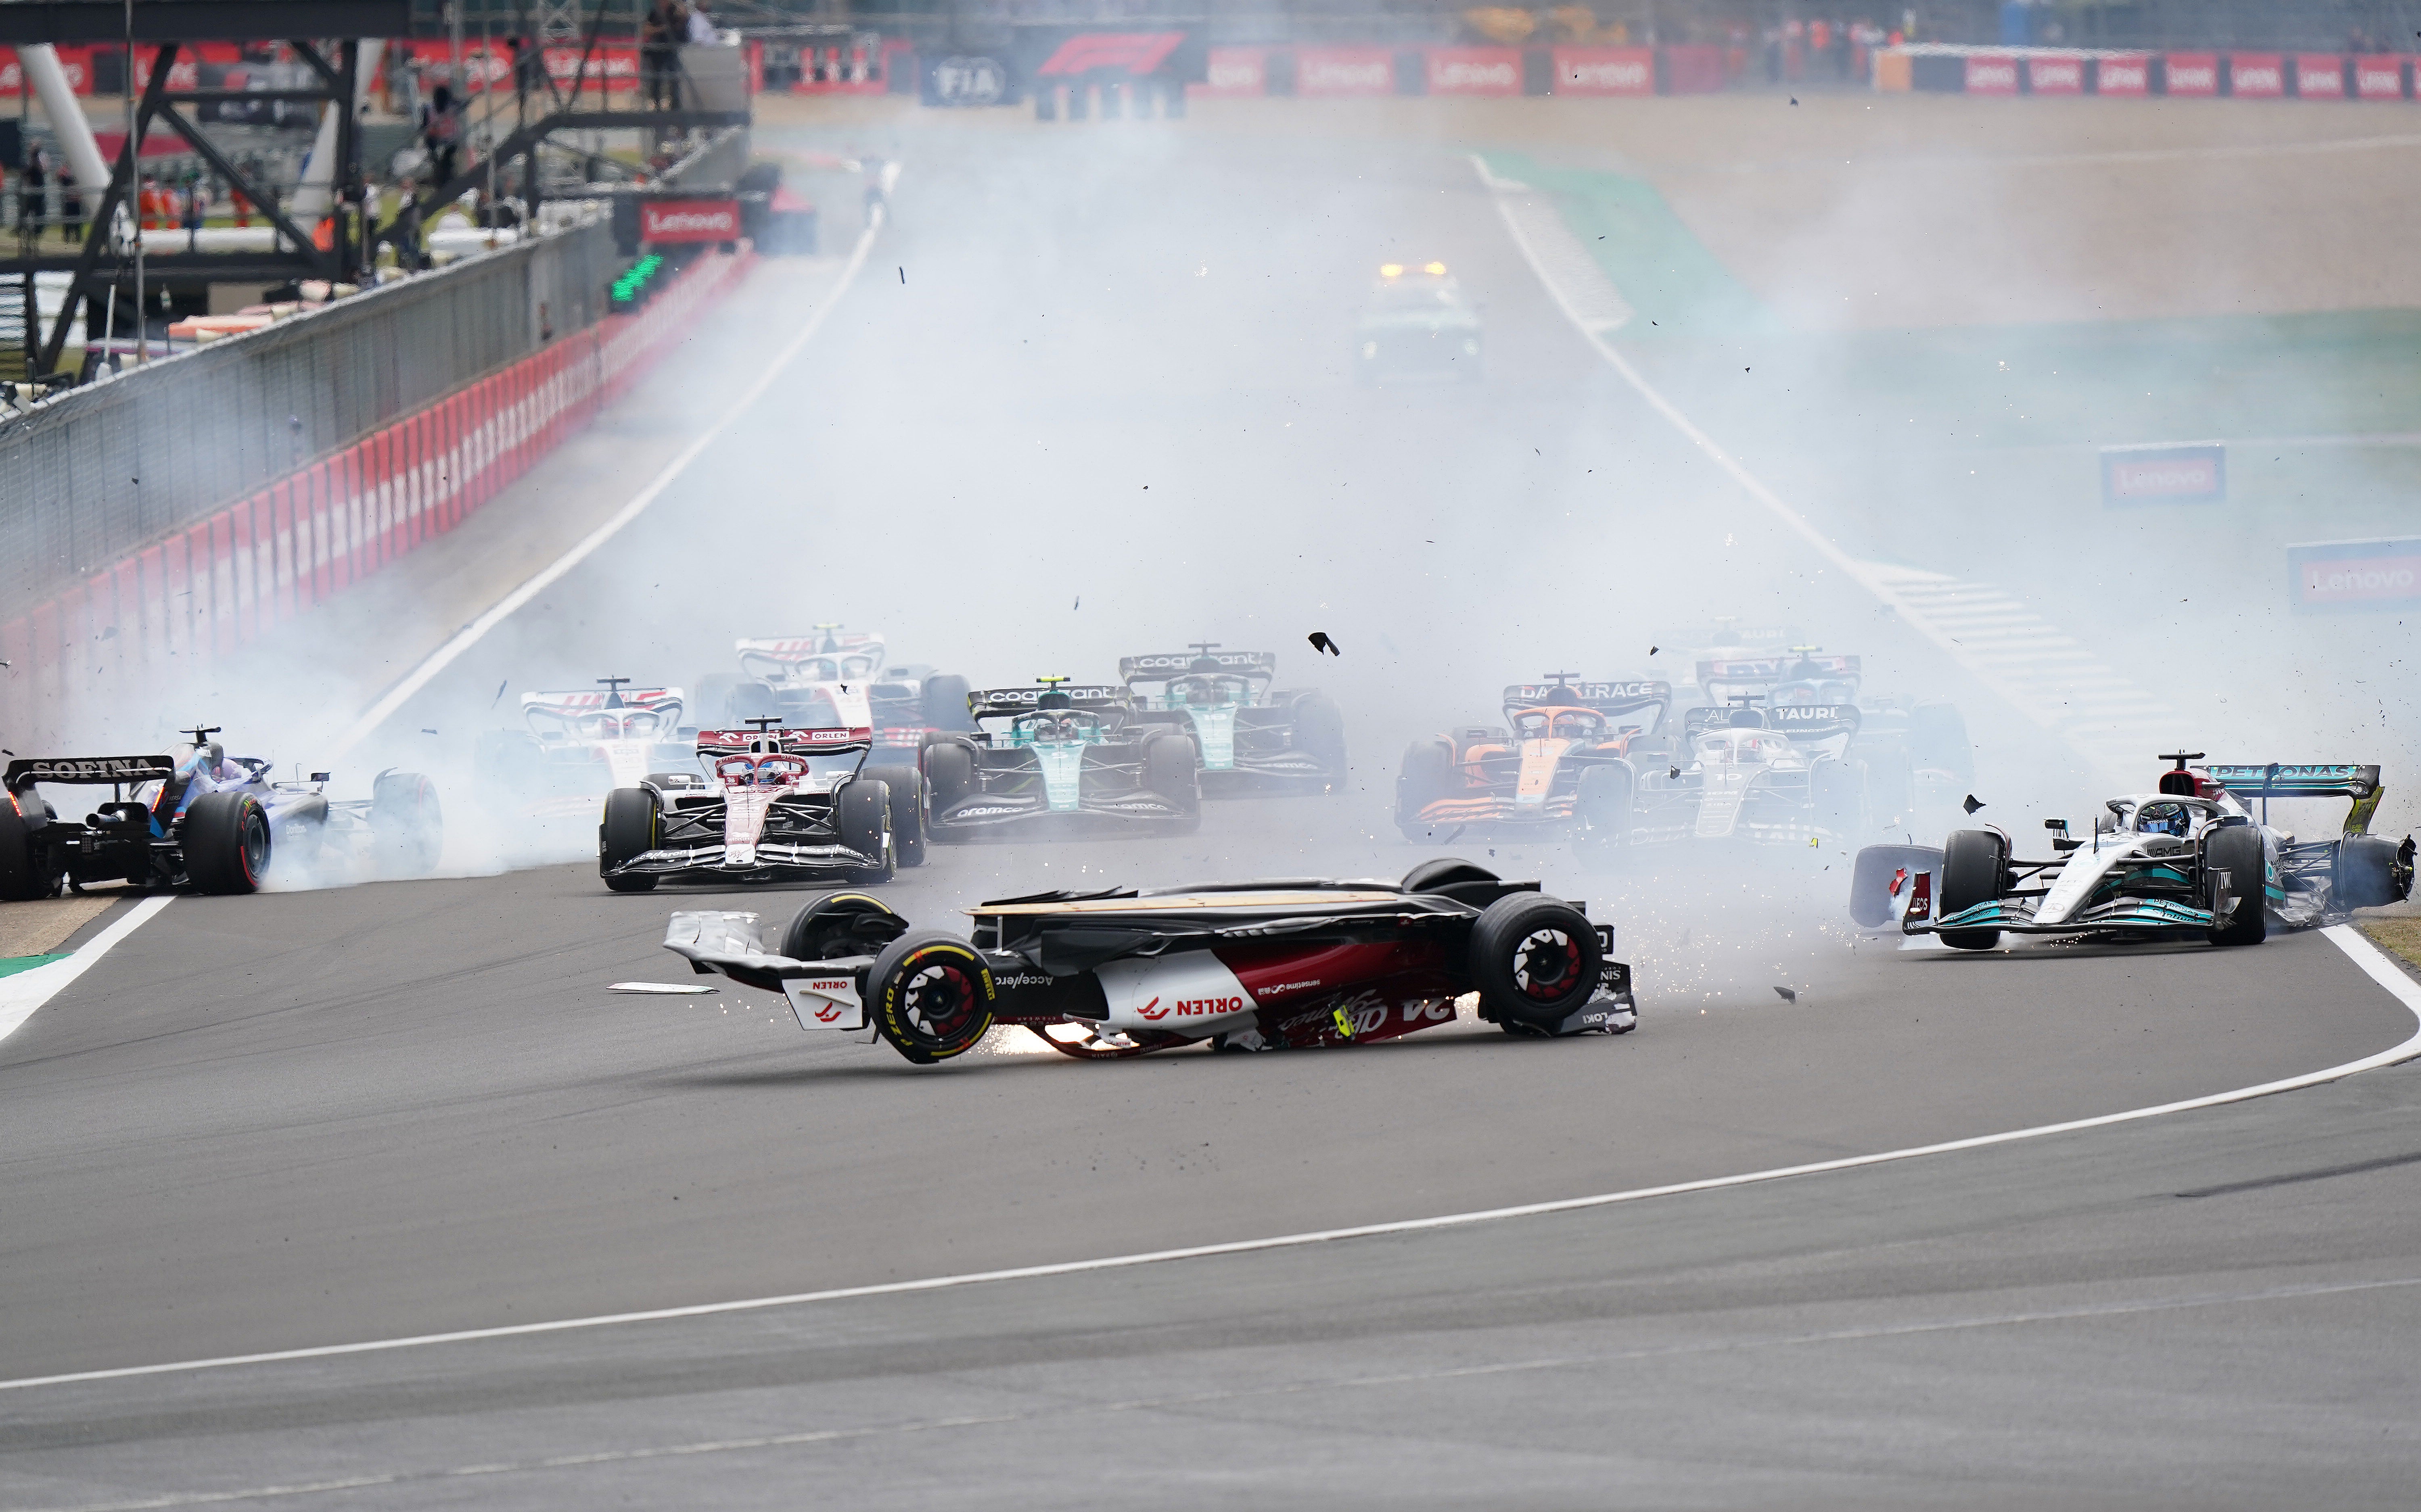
(205, 589)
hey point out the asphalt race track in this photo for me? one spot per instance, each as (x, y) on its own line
(312, 1118)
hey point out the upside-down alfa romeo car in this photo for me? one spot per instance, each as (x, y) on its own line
(196, 817)
(1266, 965)
(1250, 735)
(766, 804)
(1061, 757)
(2188, 860)
(1569, 755)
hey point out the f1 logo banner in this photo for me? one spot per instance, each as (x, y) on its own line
(1071, 54)
(2355, 574)
(2191, 473)
(664, 221)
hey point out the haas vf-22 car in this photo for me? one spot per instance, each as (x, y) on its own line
(766, 804)
(1251, 736)
(196, 817)
(2188, 859)
(1267, 965)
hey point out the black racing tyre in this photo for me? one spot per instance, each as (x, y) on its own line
(2238, 851)
(409, 825)
(1938, 741)
(1535, 960)
(930, 994)
(907, 811)
(1605, 809)
(1173, 768)
(1426, 775)
(946, 703)
(633, 825)
(842, 923)
(1973, 871)
(862, 814)
(1320, 733)
(949, 773)
(21, 870)
(226, 844)
(2371, 873)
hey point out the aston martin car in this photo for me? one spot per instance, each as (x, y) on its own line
(1250, 735)
(1057, 758)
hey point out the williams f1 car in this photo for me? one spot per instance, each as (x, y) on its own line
(1059, 758)
(198, 818)
(1416, 321)
(1564, 764)
(1267, 965)
(2188, 859)
(580, 743)
(1247, 736)
(834, 679)
(766, 804)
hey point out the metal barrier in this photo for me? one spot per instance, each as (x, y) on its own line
(88, 477)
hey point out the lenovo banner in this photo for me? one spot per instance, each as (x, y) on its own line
(1605, 70)
(2192, 73)
(1988, 75)
(1234, 74)
(2320, 76)
(2056, 75)
(666, 221)
(2355, 574)
(2131, 74)
(2255, 76)
(2195, 473)
(1328, 71)
(2378, 76)
(1474, 71)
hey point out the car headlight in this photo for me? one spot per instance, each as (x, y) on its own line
(1369, 349)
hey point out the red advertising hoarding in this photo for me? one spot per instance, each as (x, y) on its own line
(1474, 70)
(2255, 75)
(1234, 74)
(2192, 73)
(1990, 73)
(664, 221)
(2384, 575)
(1605, 70)
(2056, 75)
(2378, 76)
(1328, 71)
(2320, 76)
(2129, 75)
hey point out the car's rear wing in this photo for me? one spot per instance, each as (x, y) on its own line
(1612, 699)
(579, 701)
(857, 654)
(1008, 703)
(791, 742)
(1773, 669)
(1165, 666)
(92, 772)
(2281, 780)
(1802, 723)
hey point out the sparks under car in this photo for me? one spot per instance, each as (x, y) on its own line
(196, 817)
(2188, 859)
(1242, 966)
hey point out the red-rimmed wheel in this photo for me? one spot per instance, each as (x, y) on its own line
(931, 996)
(1535, 960)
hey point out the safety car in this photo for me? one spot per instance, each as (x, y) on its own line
(1416, 322)
(1248, 734)
(1242, 966)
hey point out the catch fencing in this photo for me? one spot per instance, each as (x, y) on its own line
(93, 474)
(181, 589)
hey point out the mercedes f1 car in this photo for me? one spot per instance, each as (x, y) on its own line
(580, 743)
(766, 804)
(198, 818)
(1061, 759)
(1564, 763)
(832, 679)
(1247, 736)
(1416, 322)
(1267, 965)
(2188, 859)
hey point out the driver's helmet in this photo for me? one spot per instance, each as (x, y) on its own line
(2165, 818)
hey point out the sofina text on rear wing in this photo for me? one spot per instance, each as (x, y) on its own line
(90, 770)
(2281, 780)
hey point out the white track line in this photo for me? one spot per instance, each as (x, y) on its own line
(503, 609)
(27, 991)
(1538, 229)
(2346, 938)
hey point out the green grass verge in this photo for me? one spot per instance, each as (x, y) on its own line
(2401, 936)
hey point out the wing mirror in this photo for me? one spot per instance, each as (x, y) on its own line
(320, 776)
(2059, 838)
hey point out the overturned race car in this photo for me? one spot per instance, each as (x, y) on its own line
(1265, 965)
(1249, 734)
(1061, 760)
(766, 804)
(197, 818)
(2188, 859)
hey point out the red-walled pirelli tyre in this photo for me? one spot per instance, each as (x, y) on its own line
(931, 996)
(226, 840)
(1535, 960)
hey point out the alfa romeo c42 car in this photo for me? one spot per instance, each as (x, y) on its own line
(2188, 859)
(1242, 966)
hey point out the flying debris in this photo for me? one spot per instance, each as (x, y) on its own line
(1320, 642)
(500, 693)
(682, 987)
(1673, 774)
(1653, 650)
(1785, 993)
(1973, 803)
(426, 730)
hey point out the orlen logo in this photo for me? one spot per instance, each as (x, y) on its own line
(828, 1013)
(1152, 1010)
(1198, 1007)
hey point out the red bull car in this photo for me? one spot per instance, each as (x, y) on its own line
(766, 804)
(1564, 764)
(1239, 966)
